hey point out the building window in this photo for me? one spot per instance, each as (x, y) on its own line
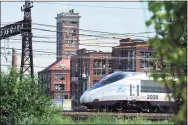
(59, 34)
(59, 76)
(66, 22)
(74, 37)
(59, 48)
(73, 30)
(67, 52)
(59, 53)
(99, 67)
(145, 61)
(73, 43)
(48, 77)
(67, 43)
(73, 52)
(67, 30)
(59, 86)
(66, 96)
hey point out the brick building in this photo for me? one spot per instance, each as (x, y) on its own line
(67, 34)
(54, 76)
(132, 55)
(87, 67)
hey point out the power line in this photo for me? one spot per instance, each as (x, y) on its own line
(89, 42)
(109, 7)
(85, 34)
(96, 57)
(60, 44)
(89, 34)
(95, 30)
(73, 33)
(47, 25)
(74, 68)
(33, 50)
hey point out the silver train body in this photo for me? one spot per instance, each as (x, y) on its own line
(126, 91)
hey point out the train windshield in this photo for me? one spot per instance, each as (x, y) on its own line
(110, 78)
(113, 77)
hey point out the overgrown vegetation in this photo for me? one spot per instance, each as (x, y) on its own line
(170, 44)
(57, 119)
(22, 99)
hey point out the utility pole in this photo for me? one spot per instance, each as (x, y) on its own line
(27, 50)
(22, 27)
(14, 59)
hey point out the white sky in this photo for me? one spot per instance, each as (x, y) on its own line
(116, 20)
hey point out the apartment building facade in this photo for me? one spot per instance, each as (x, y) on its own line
(132, 55)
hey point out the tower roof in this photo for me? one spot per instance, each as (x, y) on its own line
(70, 14)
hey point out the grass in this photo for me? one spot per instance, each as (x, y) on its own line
(58, 119)
(54, 117)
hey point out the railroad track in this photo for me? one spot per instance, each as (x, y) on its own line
(151, 116)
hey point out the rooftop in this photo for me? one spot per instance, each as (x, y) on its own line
(84, 51)
(71, 13)
(63, 64)
(131, 40)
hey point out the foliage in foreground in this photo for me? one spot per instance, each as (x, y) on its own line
(21, 99)
(58, 119)
(170, 44)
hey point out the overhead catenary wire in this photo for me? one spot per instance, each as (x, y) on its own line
(86, 30)
(44, 67)
(83, 43)
(107, 7)
(47, 25)
(119, 48)
(112, 47)
(89, 35)
(33, 50)
(93, 57)
(85, 34)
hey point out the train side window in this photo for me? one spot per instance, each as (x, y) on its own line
(145, 86)
(153, 88)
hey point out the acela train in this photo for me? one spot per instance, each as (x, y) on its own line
(127, 91)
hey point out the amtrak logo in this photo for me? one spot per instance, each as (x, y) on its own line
(121, 89)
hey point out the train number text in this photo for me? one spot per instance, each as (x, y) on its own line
(152, 96)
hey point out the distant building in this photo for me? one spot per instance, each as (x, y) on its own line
(67, 34)
(132, 55)
(56, 77)
(87, 67)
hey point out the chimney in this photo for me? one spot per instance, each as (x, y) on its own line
(14, 59)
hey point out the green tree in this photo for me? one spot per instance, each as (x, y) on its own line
(21, 99)
(170, 21)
